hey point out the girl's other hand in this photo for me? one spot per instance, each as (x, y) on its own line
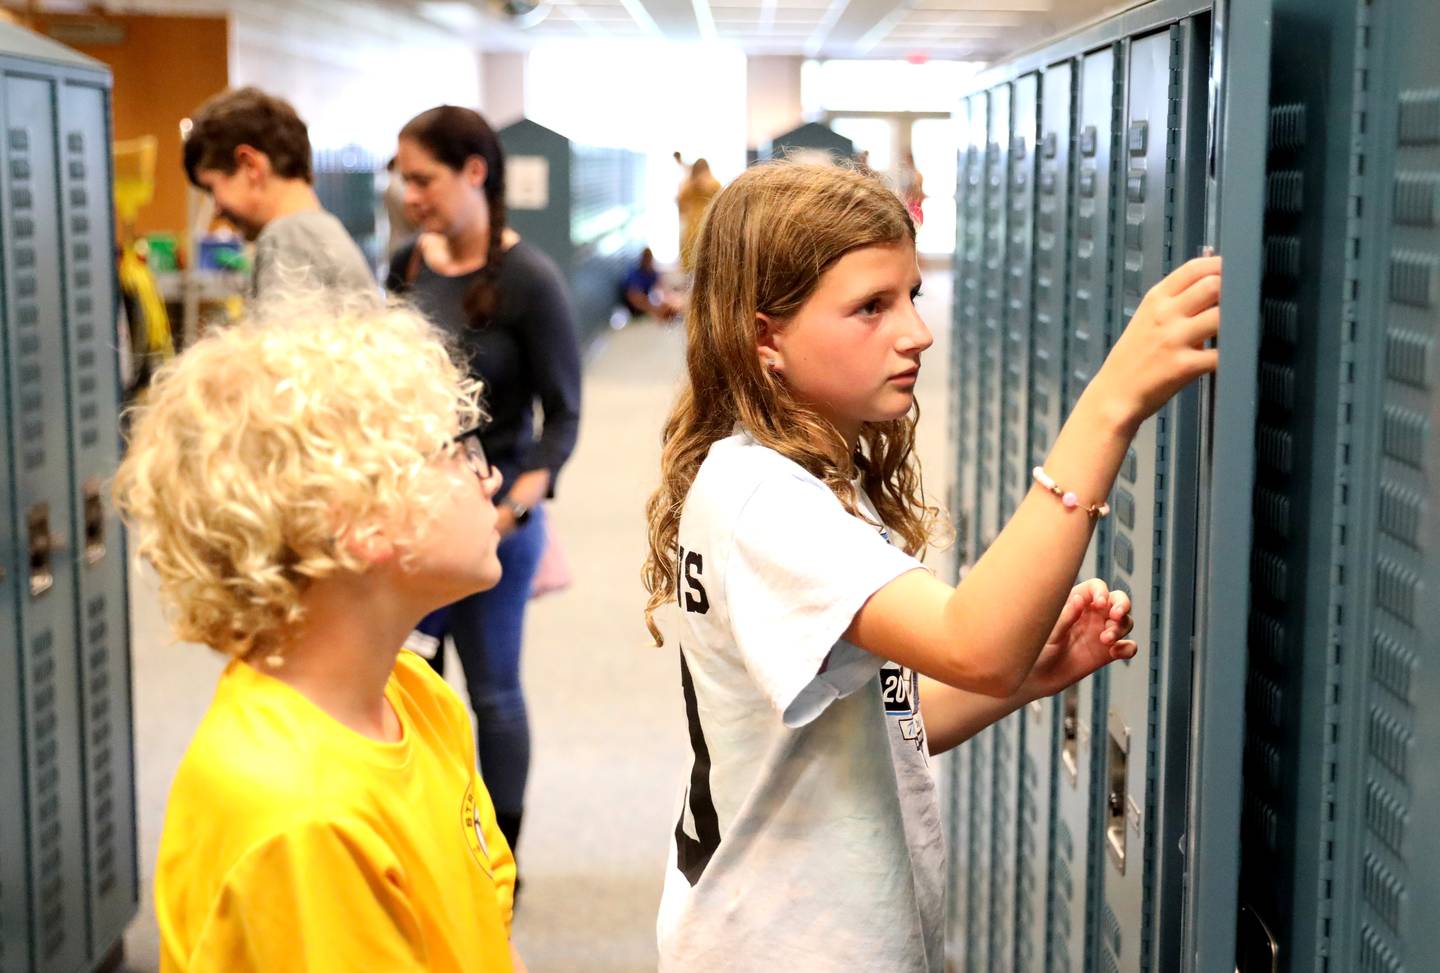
(1089, 634)
(1163, 348)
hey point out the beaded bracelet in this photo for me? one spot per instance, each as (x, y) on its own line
(1071, 502)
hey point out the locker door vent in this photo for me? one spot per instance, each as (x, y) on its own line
(30, 390)
(1420, 117)
(1408, 355)
(81, 295)
(1384, 892)
(1392, 665)
(1387, 816)
(100, 726)
(45, 796)
(1417, 199)
(1375, 955)
(1402, 513)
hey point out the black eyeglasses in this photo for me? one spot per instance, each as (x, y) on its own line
(474, 452)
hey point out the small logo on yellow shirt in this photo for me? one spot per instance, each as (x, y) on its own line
(475, 828)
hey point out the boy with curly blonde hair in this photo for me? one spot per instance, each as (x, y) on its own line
(298, 485)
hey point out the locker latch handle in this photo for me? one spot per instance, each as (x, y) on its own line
(94, 523)
(1256, 949)
(1070, 733)
(41, 549)
(1116, 783)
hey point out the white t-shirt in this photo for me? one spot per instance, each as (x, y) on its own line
(808, 837)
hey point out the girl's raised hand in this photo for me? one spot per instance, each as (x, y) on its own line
(1163, 348)
(1089, 634)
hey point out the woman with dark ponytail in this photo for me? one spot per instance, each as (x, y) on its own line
(506, 305)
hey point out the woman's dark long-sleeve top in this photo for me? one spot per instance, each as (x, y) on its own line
(528, 351)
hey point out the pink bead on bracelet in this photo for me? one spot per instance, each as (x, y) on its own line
(1069, 500)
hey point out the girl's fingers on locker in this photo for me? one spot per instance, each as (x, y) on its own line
(1098, 591)
(1119, 604)
(1188, 273)
(1199, 296)
(1200, 361)
(1202, 327)
(1124, 650)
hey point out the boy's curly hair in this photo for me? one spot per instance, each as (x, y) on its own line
(268, 440)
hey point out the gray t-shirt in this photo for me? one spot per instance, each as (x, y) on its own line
(306, 250)
(808, 837)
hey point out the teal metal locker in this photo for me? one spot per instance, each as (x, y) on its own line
(98, 550)
(955, 795)
(1389, 770)
(1039, 887)
(1113, 777)
(68, 876)
(54, 874)
(1016, 296)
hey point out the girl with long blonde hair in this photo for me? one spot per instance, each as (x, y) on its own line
(784, 539)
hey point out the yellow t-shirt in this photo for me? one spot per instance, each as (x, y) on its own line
(293, 843)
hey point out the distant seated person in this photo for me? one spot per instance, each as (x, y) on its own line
(307, 485)
(251, 152)
(641, 291)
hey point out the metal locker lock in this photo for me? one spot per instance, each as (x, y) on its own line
(41, 547)
(1088, 140)
(1070, 733)
(1116, 775)
(1051, 145)
(94, 522)
(1087, 182)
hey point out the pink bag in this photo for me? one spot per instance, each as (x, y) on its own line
(553, 573)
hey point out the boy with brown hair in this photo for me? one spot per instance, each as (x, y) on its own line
(251, 152)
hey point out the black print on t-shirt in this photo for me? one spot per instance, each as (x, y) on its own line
(900, 688)
(689, 592)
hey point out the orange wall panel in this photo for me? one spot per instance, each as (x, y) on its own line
(164, 67)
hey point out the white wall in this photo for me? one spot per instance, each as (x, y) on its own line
(356, 77)
(650, 97)
(772, 97)
(503, 88)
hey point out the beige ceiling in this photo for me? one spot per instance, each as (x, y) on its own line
(967, 29)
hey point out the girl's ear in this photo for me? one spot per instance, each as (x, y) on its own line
(766, 332)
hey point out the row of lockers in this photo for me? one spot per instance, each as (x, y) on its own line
(1272, 525)
(68, 882)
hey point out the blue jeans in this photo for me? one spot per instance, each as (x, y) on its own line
(488, 630)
